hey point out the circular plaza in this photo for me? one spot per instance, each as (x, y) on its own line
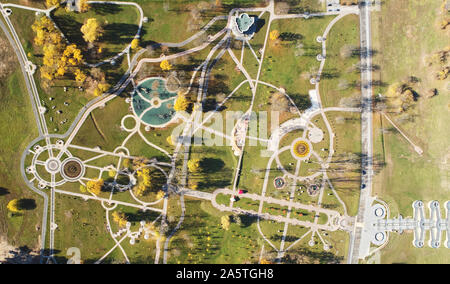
(301, 149)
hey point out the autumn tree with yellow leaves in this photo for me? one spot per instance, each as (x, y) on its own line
(119, 218)
(101, 88)
(13, 206)
(135, 43)
(91, 30)
(58, 58)
(80, 77)
(225, 222)
(52, 3)
(165, 65)
(84, 6)
(160, 195)
(95, 186)
(181, 103)
(144, 182)
(194, 165)
(274, 35)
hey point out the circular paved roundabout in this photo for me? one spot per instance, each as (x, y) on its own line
(152, 102)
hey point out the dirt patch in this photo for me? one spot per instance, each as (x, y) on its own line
(7, 58)
(13, 255)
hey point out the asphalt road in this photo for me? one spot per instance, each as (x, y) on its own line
(366, 130)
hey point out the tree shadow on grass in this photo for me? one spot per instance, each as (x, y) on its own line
(142, 216)
(104, 9)
(3, 191)
(70, 28)
(212, 165)
(119, 33)
(27, 204)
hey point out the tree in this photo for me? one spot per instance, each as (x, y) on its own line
(80, 77)
(51, 3)
(135, 44)
(140, 189)
(72, 55)
(95, 186)
(193, 165)
(13, 206)
(46, 73)
(170, 140)
(101, 88)
(119, 218)
(225, 222)
(84, 6)
(265, 261)
(144, 174)
(126, 163)
(91, 30)
(274, 35)
(160, 195)
(181, 104)
(165, 65)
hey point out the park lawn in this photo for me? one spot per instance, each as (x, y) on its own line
(177, 20)
(304, 197)
(294, 233)
(247, 204)
(258, 40)
(201, 228)
(302, 215)
(16, 111)
(310, 168)
(321, 148)
(35, 4)
(81, 224)
(316, 254)
(138, 147)
(330, 201)
(253, 171)
(404, 33)
(250, 61)
(271, 191)
(291, 64)
(119, 22)
(269, 115)
(401, 250)
(217, 164)
(344, 171)
(404, 40)
(273, 231)
(288, 162)
(143, 251)
(289, 138)
(102, 126)
(340, 76)
(223, 199)
(170, 21)
(275, 209)
(159, 136)
(224, 79)
(302, 6)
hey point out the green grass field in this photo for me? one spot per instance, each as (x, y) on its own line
(408, 176)
(340, 77)
(16, 111)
